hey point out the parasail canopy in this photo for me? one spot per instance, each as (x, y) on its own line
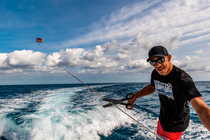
(39, 40)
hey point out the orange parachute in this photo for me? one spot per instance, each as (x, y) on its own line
(39, 40)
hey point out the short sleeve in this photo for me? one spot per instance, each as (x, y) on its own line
(189, 90)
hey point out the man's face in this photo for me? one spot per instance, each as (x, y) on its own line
(163, 68)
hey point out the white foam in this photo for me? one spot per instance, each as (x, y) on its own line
(196, 131)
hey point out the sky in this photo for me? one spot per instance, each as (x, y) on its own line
(100, 41)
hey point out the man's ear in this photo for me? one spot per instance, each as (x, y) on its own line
(169, 57)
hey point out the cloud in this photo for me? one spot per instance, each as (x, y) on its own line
(124, 53)
(207, 68)
(199, 52)
(79, 57)
(51, 58)
(172, 43)
(128, 12)
(22, 60)
(141, 40)
(195, 39)
(3, 57)
(111, 46)
(190, 64)
(159, 21)
(139, 65)
(183, 63)
(25, 58)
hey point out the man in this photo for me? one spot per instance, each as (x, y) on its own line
(175, 88)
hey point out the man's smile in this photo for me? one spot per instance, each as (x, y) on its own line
(160, 69)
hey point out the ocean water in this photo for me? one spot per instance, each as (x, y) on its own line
(74, 112)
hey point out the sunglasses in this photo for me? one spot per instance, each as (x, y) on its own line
(159, 60)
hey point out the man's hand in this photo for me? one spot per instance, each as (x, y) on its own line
(131, 101)
(149, 89)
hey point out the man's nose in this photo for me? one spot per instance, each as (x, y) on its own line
(157, 64)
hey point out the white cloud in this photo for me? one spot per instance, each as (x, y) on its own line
(69, 57)
(163, 22)
(25, 58)
(128, 12)
(141, 40)
(199, 52)
(183, 63)
(3, 57)
(98, 51)
(172, 43)
(124, 53)
(195, 39)
(78, 57)
(140, 64)
(197, 32)
(53, 57)
(190, 64)
(22, 61)
(111, 46)
(82, 72)
(207, 68)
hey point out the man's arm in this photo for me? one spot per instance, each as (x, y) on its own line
(202, 110)
(149, 89)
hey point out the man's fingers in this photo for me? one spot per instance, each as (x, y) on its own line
(131, 102)
(130, 106)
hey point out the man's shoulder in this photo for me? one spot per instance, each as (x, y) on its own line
(183, 77)
(180, 72)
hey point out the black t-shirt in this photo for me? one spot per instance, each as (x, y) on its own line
(174, 90)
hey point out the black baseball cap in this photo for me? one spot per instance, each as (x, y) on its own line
(157, 51)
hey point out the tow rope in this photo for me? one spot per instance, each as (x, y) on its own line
(110, 102)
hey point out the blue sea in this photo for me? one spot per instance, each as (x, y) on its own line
(74, 112)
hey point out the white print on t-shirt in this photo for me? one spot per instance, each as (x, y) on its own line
(164, 89)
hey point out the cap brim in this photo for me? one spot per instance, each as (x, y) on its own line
(159, 55)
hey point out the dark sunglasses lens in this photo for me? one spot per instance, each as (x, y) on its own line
(153, 63)
(161, 60)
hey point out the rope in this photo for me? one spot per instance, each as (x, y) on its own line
(110, 102)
